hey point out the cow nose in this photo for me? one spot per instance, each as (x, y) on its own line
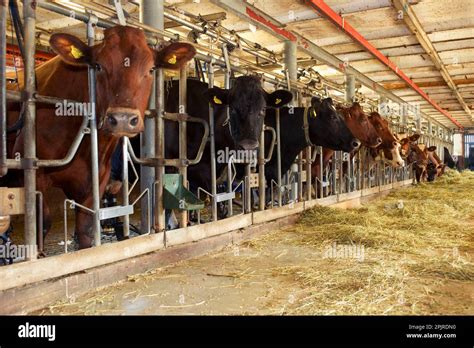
(400, 163)
(379, 141)
(248, 144)
(123, 122)
(356, 143)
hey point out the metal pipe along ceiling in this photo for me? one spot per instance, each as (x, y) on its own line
(328, 13)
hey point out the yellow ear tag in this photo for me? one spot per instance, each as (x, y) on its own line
(277, 101)
(172, 60)
(76, 52)
(313, 113)
(217, 100)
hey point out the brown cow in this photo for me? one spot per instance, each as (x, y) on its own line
(426, 163)
(389, 149)
(124, 64)
(360, 127)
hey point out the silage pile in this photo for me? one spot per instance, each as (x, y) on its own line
(415, 241)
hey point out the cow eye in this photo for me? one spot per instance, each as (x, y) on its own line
(152, 70)
(98, 67)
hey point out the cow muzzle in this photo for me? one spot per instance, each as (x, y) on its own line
(123, 121)
(248, 144)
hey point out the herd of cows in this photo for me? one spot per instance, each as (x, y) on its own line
(123, 91)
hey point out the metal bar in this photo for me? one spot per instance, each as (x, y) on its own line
(126, 218)
(261, 171)
(248, 190)
(16, 96)
(3, 88)
(183, 152)
(308, 173)
(94, 142)
(212, 144)
(40, 230)
(225, 54)
(151, 14)
(277, 121)
(29, 16)
(159, 210)
(300, 176)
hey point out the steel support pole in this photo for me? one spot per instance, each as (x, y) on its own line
(29, 17)
(183, 153)
(290, 63)
(3, 88)
(94, 143)
(261, 171)
(126, 218)
(291, 74)
(159, 210)
(212, 143)
(278, 135)
(151, 14)
(350, 87)
(228, 71)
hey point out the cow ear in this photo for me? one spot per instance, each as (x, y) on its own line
(404, 141)
(279, 98)
(315, 101)
(414, 137)
(218, 96)
(71, 49)
(174, 56)
(432, 148)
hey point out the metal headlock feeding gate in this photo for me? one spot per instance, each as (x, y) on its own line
(345, 177)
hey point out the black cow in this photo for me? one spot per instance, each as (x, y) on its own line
(327, 128)
(448, 159)
(247, 102)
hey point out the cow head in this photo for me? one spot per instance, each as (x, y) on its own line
(419, 156)
(247, 101)
(390, 146)
(405, 144)
(124, 69)
(327, 127)
(360, 126)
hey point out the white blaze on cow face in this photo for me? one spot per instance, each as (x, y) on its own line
(397, 160)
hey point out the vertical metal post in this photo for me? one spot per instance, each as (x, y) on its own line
(334, 174)
(290, 64)
(350, 87)
(212, 143)
(94, 142)
(300, 176)
(126, 218)
(228, 71)
(349, 95)
(308, 173)
(321, 170)
(183, 150)
(151, 13)
(3, 87)
(291, 75)
(159, 210)
(278, 135)
(248, 190)
(29, 15)
(261, 171)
